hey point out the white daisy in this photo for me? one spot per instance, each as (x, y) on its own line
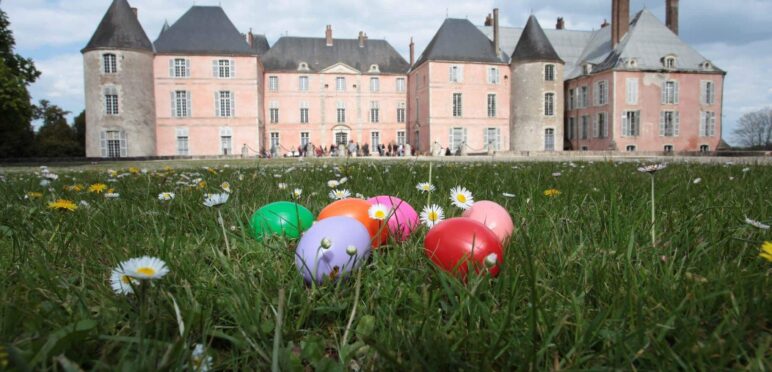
(44, 183)
(122, 283)
(425, 187)
(145, 267)
(333, 184)
(697, 180)
(461, 197)
(339, 194)
(359, 196)
(756, 224)
(297, 193)
(652, 168)
(343, 180)
(226, 186)
(432, 215)
(282, 185)
(556, 174)
(746, 170)
(378, 212)
(166, 196)
(213, 200)
(199, 360)
(112, 195)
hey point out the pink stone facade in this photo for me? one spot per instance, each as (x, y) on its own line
(479, 118)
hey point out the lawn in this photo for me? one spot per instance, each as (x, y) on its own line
(581, 284)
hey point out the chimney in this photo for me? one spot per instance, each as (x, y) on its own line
(672, 16)
(328, 35)
(496, 37)
(605, 23)
(361, 39)
(136, 12)
(489, 20)
(412, 52)
(561, 25)
(620, 20)
(250, 38)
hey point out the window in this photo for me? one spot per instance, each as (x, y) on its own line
(111, 101)
(549, 139)
(631, 124)
(600, 94)
(549, 104)
(570, 128)
(109, 63)
(600, 127)
(668, 148)
(182, 141)
(375, 109)
(549, 72)
(302, 66)
(708, 92)
(226, 141)
(493, 75)
(179, 68)
(341, 112)
(707, 124)
(303, 83)
(401, 138)
(587, 69)
(456, 73)
(631, 63)
(181, 104)
(585, 126)
(340, 84)
(113, 143)
(706, 65)
(630, 148)
(224, 103)
(457, 138)
(571, 99)
(275, 140)
(375, 139)
(457, 110)
(492, 137)
(305, 138)
(669, 62)
(583, 99)
(375, 84)
(401, 112)
(374, 68)
(491, 105)
(669, 123)
(704, 148)
(222, 68)
(585, 148)
(632, 91)
(670, 93)
(274, 112)
(304, 112)
(400, 84)
(273, 83)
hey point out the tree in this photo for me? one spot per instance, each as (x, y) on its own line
(16, 73)
(754, 130)
(79, 125)
(55, 138)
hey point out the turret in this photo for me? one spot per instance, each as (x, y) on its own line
(118, 74)
(536, 112)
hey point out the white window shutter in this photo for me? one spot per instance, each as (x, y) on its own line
(465, 136)
(187, 68)
(103, 143)
(460, 74)
(703, 92)
(450, 137)
(676, 123)
(233, 104)
(215, 68)
(625, 126)
(124, 144)
(189, 99)
(173, 104)
(595, 129)
(233, 68)
(664, 93)
(450, 73)
(713, 124)
(605, 125)
(662, 123)
(216, 104)
(596, 94)
(498, 138)
(171, 67)
(675, 92)
(485, 138)
(703, 124)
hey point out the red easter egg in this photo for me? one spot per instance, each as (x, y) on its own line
(455, 243)
(357, 209)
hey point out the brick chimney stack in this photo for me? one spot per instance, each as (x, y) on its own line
(496, 36)
(250, 38)
(561, 25)
(672, 15)
(412, 52)
(362, 39)
(605, 23)
(489, 20)
(620, 20)
(328, 35)
(136, 12)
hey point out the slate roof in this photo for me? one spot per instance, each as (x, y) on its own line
(459, 40)
(534, 45)
(260, 44)
(288, 52)
(119, 29)
(203, 30)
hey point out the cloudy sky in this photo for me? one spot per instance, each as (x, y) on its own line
(736, 35)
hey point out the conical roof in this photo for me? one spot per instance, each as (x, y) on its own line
(534, 45)
(119, 29)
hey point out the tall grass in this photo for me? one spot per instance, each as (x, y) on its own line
(581, 286)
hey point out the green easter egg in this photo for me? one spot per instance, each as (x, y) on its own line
(282, 218)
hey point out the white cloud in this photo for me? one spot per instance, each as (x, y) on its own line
(61, 81)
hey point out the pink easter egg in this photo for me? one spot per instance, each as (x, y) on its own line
(494, 216)
(404, 219)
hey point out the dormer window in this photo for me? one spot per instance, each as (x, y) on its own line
(706, 65)
(374, 69)
(303, 66)
(631, 63)
(669, 62)
(587, 68)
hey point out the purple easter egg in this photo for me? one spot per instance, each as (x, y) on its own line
(323, 252)
(404, 219)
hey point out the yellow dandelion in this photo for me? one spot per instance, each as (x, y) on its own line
(551, 192)
(33, 195)
(75, 188)
(211, 170)
(766, 251)
(133, 170)
(202, 185)
(97, 188)
(63, 205)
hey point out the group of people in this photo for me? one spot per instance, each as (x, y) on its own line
(351, 149)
